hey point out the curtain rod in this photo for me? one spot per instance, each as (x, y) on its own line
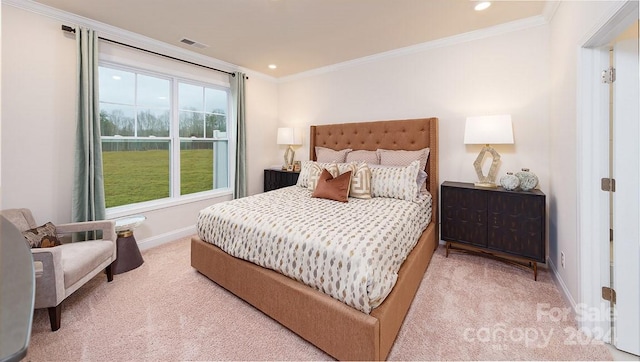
(73, 30)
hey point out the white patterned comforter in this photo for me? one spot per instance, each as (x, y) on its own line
(350, 251)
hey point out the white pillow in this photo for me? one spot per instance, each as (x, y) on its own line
(325, 155)
(305, 168)
(368, 157)
(421, 179)
(395, 182)
(402, 157)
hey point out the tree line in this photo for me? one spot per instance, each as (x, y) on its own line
(156, 124)
(192, 124)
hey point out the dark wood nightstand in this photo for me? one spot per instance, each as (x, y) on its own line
(275, 179)
(507, 225)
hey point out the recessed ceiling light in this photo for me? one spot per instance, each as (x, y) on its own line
(272, 66)
(482, 5)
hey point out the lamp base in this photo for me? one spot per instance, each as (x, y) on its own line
(489, 180)
(490, 185)
(289, 154)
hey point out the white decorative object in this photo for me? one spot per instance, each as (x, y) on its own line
(509, 181)
(488, 130)
(528, 180)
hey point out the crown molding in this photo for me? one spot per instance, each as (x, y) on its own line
(131, 38)
(526, 23)
(614, 21)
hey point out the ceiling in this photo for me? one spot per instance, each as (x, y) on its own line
(297, 35)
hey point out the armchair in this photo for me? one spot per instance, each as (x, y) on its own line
(62, 269)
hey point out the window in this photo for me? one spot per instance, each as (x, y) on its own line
(162, 136)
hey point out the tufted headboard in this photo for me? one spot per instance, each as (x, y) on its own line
(411, 134)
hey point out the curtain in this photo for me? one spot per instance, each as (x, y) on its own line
(237, 93)
(88, 186)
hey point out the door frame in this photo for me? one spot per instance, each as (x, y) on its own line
(592, 165)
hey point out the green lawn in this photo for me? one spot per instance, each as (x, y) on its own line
(136, 176)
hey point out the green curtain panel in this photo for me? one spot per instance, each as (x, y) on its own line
(88, 187)
(237, 93)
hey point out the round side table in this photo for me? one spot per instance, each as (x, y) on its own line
(128, 253)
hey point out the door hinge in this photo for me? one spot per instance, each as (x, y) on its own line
(609, 294)
(608, 184)
(610, 234)
(609, 75)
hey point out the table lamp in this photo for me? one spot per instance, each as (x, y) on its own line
(289, 136)
(488, 130)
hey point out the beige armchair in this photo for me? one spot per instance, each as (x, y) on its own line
(62, 269)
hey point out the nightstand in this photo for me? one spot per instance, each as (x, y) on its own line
(506, 225)
(275, 179)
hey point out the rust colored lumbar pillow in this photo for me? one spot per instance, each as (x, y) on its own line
(333, 188)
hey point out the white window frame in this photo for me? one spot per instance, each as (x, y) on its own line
(174, 139)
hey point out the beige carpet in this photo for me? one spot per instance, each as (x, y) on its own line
(467, 308)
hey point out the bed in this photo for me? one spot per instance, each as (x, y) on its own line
(341, 330)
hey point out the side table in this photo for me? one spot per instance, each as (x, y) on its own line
(505, 225)
(275, 179)
(128, 253)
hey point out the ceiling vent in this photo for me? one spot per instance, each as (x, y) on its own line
(193, 43)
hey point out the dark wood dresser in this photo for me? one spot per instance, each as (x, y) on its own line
(275, 179)
(508, 225)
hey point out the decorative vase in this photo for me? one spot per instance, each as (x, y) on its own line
(509, 181)
(528, 180)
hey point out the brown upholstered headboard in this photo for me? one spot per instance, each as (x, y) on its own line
(411, 134)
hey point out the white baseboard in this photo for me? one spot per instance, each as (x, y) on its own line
(157, 240)
(561, 285)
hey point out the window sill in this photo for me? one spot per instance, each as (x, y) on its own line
(128, 210)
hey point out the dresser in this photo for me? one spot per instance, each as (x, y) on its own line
(275, 179)
(507, 225)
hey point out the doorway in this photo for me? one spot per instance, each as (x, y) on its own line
(609, 150)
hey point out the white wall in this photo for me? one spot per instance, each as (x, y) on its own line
(38, 115)
(506, 73)
(262, 113)
(569, 29)
(38, 126)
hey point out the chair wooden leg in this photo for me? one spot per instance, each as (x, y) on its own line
(109, 271)
(55, 315)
